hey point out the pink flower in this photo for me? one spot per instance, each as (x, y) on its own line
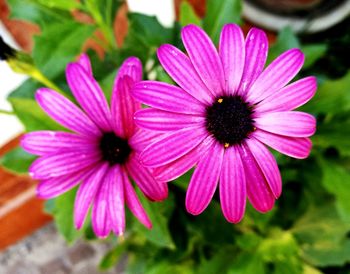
(100, 153)
(227, 108)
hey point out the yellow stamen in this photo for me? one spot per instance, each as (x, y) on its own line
(220, 100)
(226, 145)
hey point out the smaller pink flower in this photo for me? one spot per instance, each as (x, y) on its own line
(227, 108)
(100, 153)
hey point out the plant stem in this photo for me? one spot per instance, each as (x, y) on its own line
(7, 112)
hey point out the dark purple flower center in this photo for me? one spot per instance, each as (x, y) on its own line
(229, 119)
(5, 51)
(115, 150)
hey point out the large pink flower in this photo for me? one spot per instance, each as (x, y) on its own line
(100, 153)
(227, 108)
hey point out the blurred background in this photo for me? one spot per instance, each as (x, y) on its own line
(308, 232)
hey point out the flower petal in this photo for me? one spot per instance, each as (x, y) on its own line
(204, 179)
(258, 190)
(167, 97)
(142, 138)
(256, 49)
(204, 58)
(101, 224)
(53, 187)
(131, 67)
(84, 61)
(123, 107)
(289, 97)
(115, 180)
(134, 204)
(180, 68)
(232, 54)
(87, 192)
(276, 75)
(267, 164)
(232, 186)
(294, 147)
(48, 142)
(287, 123)
(65, 112)
(61, 164)
(172, 146)
(165, 121)
(89, 95)
(145, 181)
(180, 166)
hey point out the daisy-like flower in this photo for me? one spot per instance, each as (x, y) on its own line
(100, 153)
(227, 108)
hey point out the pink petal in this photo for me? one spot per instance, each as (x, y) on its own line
(61, 164)
(142, 138)
(256, 49)
(89, 95)
(164, 121)
(134, 204)
(167, 97)
(115, 180)
(87, 192)
(204, 180)
(258, 190)
(232, 54)
(267, 164)
(131, 67)
(294, 147)
(276, 75)
(180, 68)
(65, 112)
(232, 186)
(53, 187)
(123, 107)
(287, 123)
(180, 166)
(172, 146)
(289, 97)
(204, 58)
(48, 142)
(84, 61)
(101, 224)
(145, 181)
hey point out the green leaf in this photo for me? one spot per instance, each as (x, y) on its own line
(332, 96)
(145, 35)
(312, 53)
(334, 133)
(220, 13)
(34, 11)
(248, 263)
(279, 246)
(286, 39)
(111, 258)
(337, 181)
(63, 213)
(219, 263)
(17, 160)
(26, 90)
(32, 116)
(328, 254)
(321, 234)
(58, 45)
(188, 15)
(68, 5)
(158, 212)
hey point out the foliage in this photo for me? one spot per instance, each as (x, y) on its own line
(307, 232)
